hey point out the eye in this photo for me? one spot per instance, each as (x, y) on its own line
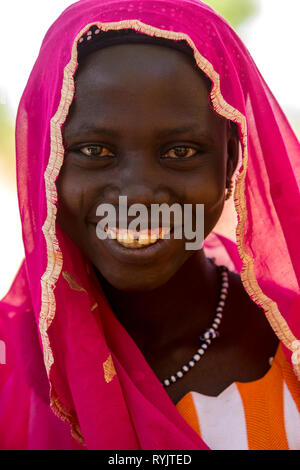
(180, 152)
(96, 151)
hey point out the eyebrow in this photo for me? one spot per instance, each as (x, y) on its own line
(88, 129)
(183, 130)
(162, 133)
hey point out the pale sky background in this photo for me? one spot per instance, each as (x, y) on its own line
(272, 37)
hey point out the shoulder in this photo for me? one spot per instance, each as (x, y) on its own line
(248, 322)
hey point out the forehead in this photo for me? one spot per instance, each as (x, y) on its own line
(146, 81)
(142, 64)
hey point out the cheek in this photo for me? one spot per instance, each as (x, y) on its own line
(71, 190)
(205, 186)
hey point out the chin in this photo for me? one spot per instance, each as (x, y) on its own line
(137, 280)
(137, 286)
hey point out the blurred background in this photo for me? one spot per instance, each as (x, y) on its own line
(269, 28)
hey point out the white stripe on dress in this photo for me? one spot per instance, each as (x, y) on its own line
(291, 419)
(222, 419)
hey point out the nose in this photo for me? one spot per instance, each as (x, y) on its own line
(139, 192)
(142, 181)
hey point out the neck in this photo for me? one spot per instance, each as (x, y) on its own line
(179, 310)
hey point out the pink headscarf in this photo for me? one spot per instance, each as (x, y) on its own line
(62, 339)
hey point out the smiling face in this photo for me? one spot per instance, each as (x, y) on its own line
(141, 126)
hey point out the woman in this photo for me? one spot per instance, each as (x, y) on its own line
(152, 101)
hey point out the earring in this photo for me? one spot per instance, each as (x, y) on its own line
(229, 191)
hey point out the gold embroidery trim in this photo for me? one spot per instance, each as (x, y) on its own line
(72, 282)
(54, 255)
(94, 307)
(109, 369)
(66, 415)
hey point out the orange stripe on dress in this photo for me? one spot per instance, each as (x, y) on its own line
(290, 378)
(187, 409)
(263, 407)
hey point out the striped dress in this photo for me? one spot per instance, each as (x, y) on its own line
(259, 415)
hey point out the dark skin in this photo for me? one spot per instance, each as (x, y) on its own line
(139, 94)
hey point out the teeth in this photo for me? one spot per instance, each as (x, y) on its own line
(144, 238)
(153, 238)
(122, 235)
(112, 232)
(133, 239)
(164, 232)
(125, 236)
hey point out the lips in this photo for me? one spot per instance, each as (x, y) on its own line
(136, 248)
(138, 239)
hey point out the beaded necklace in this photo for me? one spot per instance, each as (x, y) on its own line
(209, 334)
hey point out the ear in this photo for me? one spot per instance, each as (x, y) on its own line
(232, 150)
